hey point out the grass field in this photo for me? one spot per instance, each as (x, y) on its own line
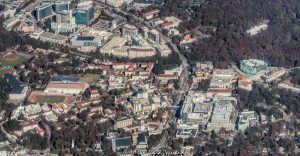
(90, 78)
(49, 99)
(11, 59)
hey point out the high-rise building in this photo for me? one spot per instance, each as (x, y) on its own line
(61, 6)
(84, 13)
(43, 11)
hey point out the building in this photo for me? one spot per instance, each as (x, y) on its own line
(187, 131)
(61, 6)
(86, 41)
(154, 37)
(222, 78)
(63, 27)
(66, 88)
(60, 78)
(258, 28)
(122, 121)
(223, 116)
(253, 66)
(43, 11)
(175, 21)
(121, 143)
(84, 13)
(140, 52)
(116, 3)
(212, 92)
(140, 140)
(173, 69)
(129, 30)
(273, 73)
(115, 47)
(11, 22)
(28, 26)
(196, 109)
(246, 119)
(17, 91)
(163, 50)
(151, 14)
(53, 38)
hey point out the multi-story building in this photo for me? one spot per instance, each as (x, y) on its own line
(154, 37)
(173, 69)
(163, 50)
(223, 114)
(222, 78)
(187, 131)
(115, 47)
(61, 6)
(253, 66)
(42, 11)
(246, 119)
(86, 41)
(63, 27)
(84, 13)
(116, 3)
(139, 52)
(122, 121)
(196, 109)
(151, 14)
(129, 31)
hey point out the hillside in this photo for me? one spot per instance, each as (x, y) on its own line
(279, 44)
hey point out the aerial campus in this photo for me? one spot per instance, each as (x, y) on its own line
(100, 79)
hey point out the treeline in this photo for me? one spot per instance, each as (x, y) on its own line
(279, 44)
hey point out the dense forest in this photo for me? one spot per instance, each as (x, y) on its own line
(278, 45)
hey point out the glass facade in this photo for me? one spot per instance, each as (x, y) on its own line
(84, 16)
(252, 66)
(60, 7)
(44, 12)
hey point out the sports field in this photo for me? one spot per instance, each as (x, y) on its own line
(40, 97)
(11, 59)
(49, 99)
(89, 78)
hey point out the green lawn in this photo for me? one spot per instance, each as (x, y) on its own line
(90, 78)
(5, 62)
(49, 99)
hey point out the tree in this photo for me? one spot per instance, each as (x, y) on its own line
(4, 91)
(12, 125)
(2, 7)
(203, 85)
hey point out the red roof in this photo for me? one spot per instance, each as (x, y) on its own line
(166, 24)
(218, 90)
(151, 12)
